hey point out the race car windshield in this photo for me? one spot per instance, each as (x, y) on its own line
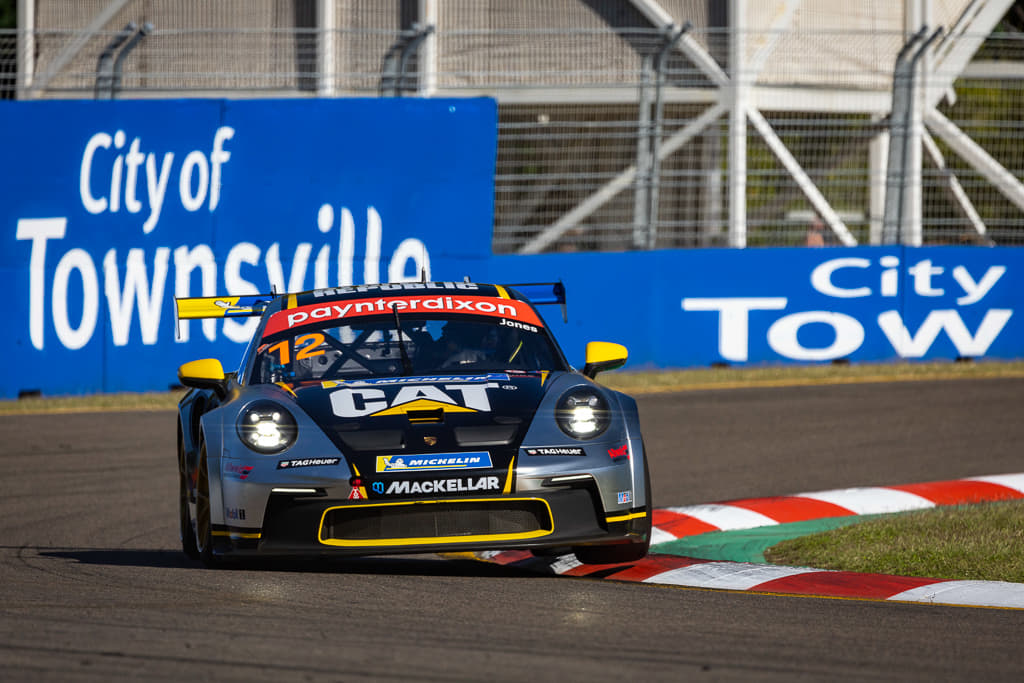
(374, 348)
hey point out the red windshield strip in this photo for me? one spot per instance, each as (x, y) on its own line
(315, 314)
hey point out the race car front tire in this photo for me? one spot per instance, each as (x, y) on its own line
(204, 528)
(623, 552)
(185, 530)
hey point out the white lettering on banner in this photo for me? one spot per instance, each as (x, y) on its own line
(38, 230)
(821, 277)
(240, 331)
(922, 273)
(196, 172)
(137, 287)
(976, 291)
(782, 333)
(70, 337)
(199, 184)
(733, 319)
(185, 261)
(917, 346)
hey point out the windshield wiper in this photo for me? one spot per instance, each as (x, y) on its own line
(406, 363)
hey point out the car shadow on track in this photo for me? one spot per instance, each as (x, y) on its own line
(425, 565)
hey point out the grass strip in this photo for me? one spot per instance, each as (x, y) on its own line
(749, 545)
(157, 400)
(982, 542)
(779, 376)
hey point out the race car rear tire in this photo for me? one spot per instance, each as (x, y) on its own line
(624, 552)
(204, 528)
(185, 530)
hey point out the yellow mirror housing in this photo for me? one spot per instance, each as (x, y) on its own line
(603, 356)
(206, 373)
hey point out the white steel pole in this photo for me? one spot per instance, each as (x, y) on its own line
(26, 46)
(913, 233)
(737, 128)
(428, 49)
(327, 65)
(878, 162)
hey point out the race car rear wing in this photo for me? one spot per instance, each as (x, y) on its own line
(197, 307)
(541, 293)
(193, 308)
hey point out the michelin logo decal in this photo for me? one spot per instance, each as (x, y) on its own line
(439, 461)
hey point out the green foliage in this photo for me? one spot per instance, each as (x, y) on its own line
(8, 14)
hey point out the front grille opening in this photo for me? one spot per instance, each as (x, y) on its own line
(429, 415)
(435, 521)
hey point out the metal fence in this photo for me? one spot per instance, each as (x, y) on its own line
(613, 134)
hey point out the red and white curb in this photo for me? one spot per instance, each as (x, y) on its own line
(677, 522)
(673, 523)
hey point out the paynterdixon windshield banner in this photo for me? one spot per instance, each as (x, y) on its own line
(111, 209)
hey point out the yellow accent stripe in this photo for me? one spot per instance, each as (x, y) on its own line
(234, 534)
(508, 479)
(624, 518)
(290, 302)
(430, 540)
(286, 388)
(502, 292)
(543, 377)
(422, 404)
(355, 470)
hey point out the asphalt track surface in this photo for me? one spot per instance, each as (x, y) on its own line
(94, 587)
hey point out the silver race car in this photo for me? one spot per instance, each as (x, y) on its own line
(412, 417)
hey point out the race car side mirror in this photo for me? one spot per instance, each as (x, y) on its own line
(207, 373)
(603, 356)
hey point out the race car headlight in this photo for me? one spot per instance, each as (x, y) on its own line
(582, 414)
(266, 427)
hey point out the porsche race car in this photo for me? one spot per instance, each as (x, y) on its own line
(407, 418)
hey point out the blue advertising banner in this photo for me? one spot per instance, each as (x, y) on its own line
(111, 209)
(693, 308)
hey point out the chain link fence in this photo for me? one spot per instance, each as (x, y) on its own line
(613, 133)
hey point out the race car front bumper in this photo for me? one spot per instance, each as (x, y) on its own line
(320, 525)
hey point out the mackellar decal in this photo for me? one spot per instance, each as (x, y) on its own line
(406, 488)
(341, 310)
